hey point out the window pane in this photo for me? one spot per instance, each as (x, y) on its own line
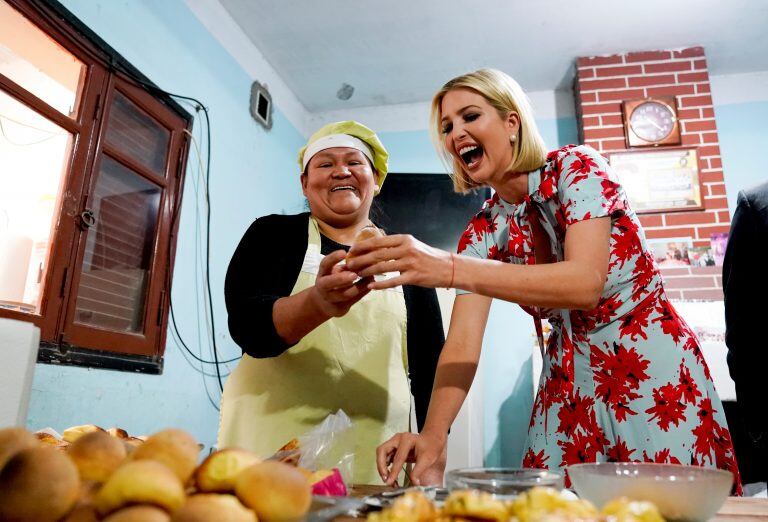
(119, 248)
(34, 154)
(31, 58)
(138, 135)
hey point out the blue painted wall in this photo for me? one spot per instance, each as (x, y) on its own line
(252, 173)
(743, 141)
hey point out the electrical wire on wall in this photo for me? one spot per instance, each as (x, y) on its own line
(203, 169)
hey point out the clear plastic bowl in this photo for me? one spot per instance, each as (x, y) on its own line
(502, 482)
(682, 493)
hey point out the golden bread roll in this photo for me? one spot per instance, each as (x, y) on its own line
(140, 514)
(475, 504)
(141, 482)
(275, 491)
(82, 513)
(118, 433)
(367, 232)
(75, 432)
(206, 507)
(13, 440)
(175, 448)
(218, 472)
(97, 455)
(39, 484)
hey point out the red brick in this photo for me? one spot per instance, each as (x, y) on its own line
(610, 83)
(660, 233)
(676, 219)
(706, 270)
(624, 70)
(709, 150)
(716, 163)
(691, 282)
(601, 108)
(707, 112)
(716, 203)
(689, 114)
(695, 101)
(706, 231)
(719, 281)
(712, 177)
(691, 139)
(604, 132)
(724, 216)
(702, 88)
(590, 121)
(674, 295)
(585, 73)
(709, 137)
(589, 97)
(648, 56)
(650, 68)
(717, 189)
(701, 243)
(690, 52)
(706, 295)
(593, 143)
(606, 145)
(672, 271)
(589, 61)
(700, 65)
(693, 77)
(625, 94)
(611, 119)
(699, 126)
(671, 90)
(650, 220)
(652, 79)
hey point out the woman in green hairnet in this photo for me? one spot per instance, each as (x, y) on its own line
(316, 340)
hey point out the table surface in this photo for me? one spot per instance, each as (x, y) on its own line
(736, 509)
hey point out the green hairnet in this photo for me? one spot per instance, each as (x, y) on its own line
(360, 131)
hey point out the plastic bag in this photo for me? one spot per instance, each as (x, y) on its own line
(329, 445)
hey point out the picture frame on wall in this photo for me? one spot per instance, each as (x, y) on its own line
(660, 180)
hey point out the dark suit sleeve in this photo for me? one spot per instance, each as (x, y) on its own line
(263, 269)
(425, 342)
(745, 284)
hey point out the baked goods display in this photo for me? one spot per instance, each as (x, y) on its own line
(92, 475)
(535, 505)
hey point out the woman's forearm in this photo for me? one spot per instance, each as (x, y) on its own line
(297, 315)
(566, 284)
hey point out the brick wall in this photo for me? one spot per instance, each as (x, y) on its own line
(602, 83)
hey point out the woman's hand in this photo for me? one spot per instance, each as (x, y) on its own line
(335, 290)
(418, 263)
(424, 449)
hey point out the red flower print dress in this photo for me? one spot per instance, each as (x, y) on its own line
(625, 381)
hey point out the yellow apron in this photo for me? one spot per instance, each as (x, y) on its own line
(357, 363)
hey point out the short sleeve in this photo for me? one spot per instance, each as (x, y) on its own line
(587, 186)
(474, 240)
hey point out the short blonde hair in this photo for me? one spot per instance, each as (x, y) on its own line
(505, 95)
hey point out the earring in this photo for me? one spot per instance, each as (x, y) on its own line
(376, 190)
(512, 138)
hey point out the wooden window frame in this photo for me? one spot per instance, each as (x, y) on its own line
(62, 339)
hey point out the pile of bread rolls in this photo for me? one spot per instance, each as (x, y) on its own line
(98, 475)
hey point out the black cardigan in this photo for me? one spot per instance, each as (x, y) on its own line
(264, 268)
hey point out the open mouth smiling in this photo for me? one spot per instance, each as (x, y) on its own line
(471, 155)
(343, 187)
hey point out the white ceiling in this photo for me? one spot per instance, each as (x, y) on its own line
(401, 51)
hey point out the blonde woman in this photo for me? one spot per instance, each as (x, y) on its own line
(623, 376)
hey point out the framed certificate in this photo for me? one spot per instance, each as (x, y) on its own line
(660, 180)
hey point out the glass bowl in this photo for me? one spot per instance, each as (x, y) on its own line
(502, 482)
(682, 493)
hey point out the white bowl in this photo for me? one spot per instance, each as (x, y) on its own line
(682, 493)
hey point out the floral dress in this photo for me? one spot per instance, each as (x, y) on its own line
(625, 381)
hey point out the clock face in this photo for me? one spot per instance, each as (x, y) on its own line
(652, 121)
